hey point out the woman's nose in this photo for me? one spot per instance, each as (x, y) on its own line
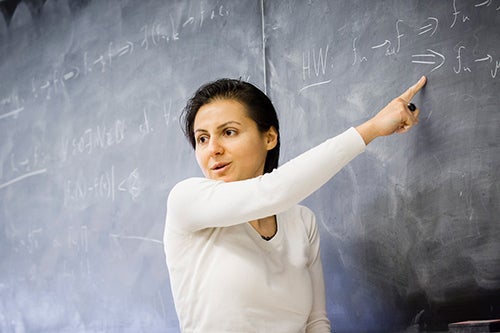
(215, 147)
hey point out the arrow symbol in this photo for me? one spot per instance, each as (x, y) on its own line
(429, 27)
(484, 3)
(381, 45)
(488, 57)
(431, 58)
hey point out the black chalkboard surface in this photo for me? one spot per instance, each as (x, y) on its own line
(411, 229)
(90, 145)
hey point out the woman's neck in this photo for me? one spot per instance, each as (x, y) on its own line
(266, 227)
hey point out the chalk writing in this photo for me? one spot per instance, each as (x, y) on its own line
(430, 27)
(13, 106)
(72, 73)
(54, 84)
(76, 241)
(139, 238)
(99, 137)
(487, 58)
(84, 188)
(21, 177)
(221, 11)
(319, 66)
(131, 184)
(431, 58)
(357, 57)
(495, 65)
(125, 49)
(154, 34)
(484, 3)
(315, 85)
(459, 67)
(23, 166)
(156, 106)
(389, 49)
(158, 33)
(495, 70)
(145, 128)
(456, 14)
(12, 113)
(30, 243)
(115, 240)
(167, 111)
(33, 159)
(319, 62)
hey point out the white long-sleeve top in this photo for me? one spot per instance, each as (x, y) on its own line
(224, 277)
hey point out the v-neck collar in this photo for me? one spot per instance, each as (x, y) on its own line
(258, 238)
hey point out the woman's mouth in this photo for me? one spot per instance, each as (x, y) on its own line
(219, 167)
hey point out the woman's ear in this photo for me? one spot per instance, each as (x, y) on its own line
(271, 137)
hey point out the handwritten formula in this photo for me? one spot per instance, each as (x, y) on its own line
(102, 136)
(468, 55)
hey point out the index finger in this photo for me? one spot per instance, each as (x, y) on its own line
(413, 90)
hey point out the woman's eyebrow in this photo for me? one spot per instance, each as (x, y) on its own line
(220, 126)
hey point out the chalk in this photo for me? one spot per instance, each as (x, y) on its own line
(475, 326)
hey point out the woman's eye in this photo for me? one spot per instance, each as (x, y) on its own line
(230, 132)
(202, 139)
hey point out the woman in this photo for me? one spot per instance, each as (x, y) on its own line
(242, 255)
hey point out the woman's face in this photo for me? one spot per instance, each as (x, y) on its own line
(229, 145)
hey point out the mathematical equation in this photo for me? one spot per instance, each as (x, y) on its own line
(35, 161)
(101, 136)
(155, 34)
(74, 240)
(98, 137)
(317, 62)
(22, 165)
(103, 185)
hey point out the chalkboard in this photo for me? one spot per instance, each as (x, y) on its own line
(90, 145)
(410, 229)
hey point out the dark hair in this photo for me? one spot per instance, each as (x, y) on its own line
(258, 106)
